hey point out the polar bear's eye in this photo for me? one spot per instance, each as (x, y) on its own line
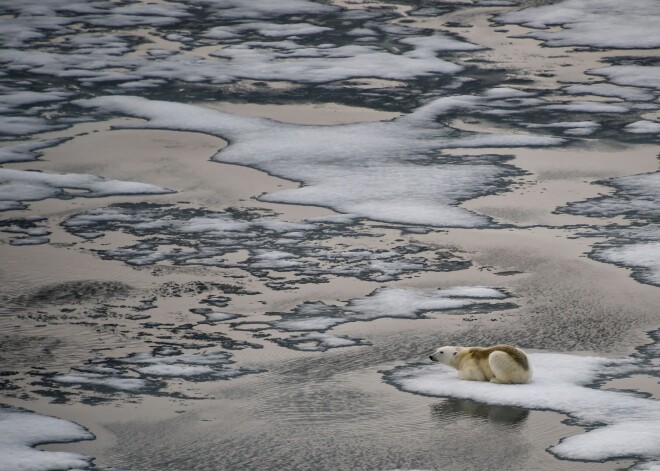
(441, 353)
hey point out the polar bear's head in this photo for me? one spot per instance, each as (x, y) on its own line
(445, 354)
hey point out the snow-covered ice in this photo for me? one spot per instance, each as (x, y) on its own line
(621, 424)
(594, 23)
(405, 303)
(21, 431)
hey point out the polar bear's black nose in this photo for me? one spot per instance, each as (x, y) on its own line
(431, 357)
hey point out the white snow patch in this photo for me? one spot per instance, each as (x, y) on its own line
(21, 185)
(632, 75)
(595, 23)
(407, 303)
(608, 90)
(640, 256)
(25, 152)
(21, 431)
(176, 370)
(643, 127)
(114, 382)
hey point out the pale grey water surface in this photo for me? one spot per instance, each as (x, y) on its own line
(232, 231)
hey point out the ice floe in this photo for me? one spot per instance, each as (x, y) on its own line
(644, 76)
(148, 373)
(388, 171)
(608, 90)
(643, 127)
(19, 186)
(621, 424)
(642, 257)
(97, 379)
(637, 198)
(214, 316)
(25, 151)
(318, 341)
(594, 23)
(405, 303)
(21, 431)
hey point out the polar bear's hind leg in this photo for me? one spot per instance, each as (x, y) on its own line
(506, 369)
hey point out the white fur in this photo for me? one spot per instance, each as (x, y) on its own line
(497, 367)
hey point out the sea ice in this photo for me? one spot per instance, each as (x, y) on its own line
(595, 23)
(25, 151)
(318, 342)
(643, 127)
(621, 424)
(17, 186)
(643, 258)
(97, 379)
(607, 90)
(388, 171)
(644, 76)
(407, 303)
(21, 431)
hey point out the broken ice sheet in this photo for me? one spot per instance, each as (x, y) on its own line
(594, 23)
(637, 198)
(405, 303)
(18, 186)
(208, 237)
(318, 341)
(21, 431)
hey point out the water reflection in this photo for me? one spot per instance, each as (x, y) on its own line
(455, 408)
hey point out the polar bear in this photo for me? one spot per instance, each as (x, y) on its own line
(497, 364)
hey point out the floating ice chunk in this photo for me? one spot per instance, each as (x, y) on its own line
(175, 370)
(318, 342)
(648, 466)
(214, 316)
(407, 303)
(30, 241)
(21, 431)
(23, 125)
(400, 302)
(328, 64)
(595, 23)
(643, 127)
(607, 90)
(643, 258)
(623, 424)
(97, 379)
(270, 9)
(22, 98)
(636, 196)
(204, 358)
(574, 128)
(589, 107)
(269, 30)
(632, 75)
(21, 185)
(25, 151)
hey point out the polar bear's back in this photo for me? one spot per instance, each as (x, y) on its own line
(499, 363)
(517, 355)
